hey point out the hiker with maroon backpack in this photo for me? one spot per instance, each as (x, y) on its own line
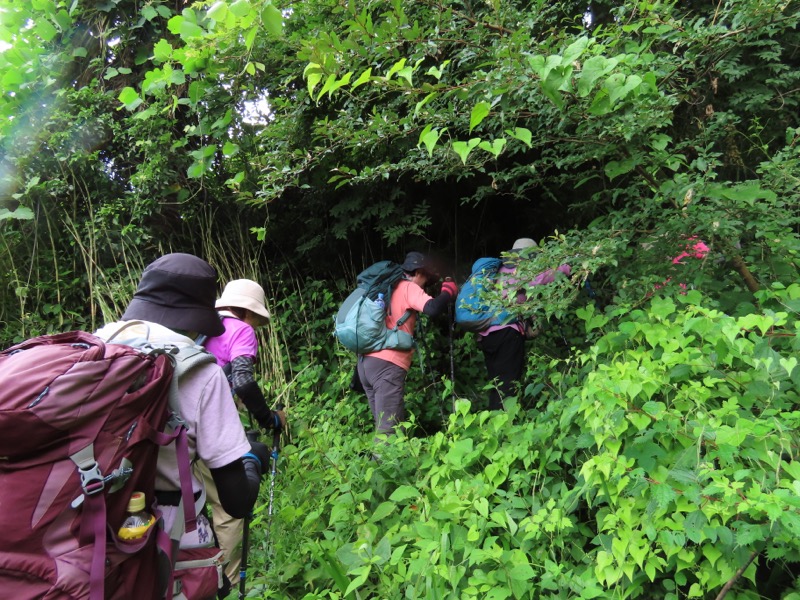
(91, 421)
(175, 301)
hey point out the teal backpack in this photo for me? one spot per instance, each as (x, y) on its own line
(361, 321)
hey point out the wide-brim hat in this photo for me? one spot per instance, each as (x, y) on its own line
(414, 261)
(178, 291)
(523, 243)
(245, 293)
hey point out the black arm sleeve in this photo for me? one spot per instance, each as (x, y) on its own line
(251, 396)
(237, 485)
(436, 306)
(245, 387)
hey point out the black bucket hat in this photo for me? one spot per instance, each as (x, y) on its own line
(178, 291)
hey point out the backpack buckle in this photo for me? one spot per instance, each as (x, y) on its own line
(176, 422)
(92, 480)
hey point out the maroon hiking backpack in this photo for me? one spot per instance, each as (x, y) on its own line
(82, 421)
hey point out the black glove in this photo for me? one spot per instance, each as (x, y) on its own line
(258, 456)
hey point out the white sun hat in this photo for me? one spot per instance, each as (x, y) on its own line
(244, 293)
(523, 243)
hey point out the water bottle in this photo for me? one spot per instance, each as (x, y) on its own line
(380, 301)
(139, 520)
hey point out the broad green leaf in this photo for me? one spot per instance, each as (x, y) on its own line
(551, 86)
(616, 168)
(162, 51)
(593, 69)
(241, 8)
(622, 91)
(250, 38)
(327, 86)
(12, 78)
(458, 450)
(429, 137)
(363, 78)
(218, 11)
(464, 148)
(79, 52)
(424, 101)
(574, 50)
(404, 492)
(361, 574)
(313, 74)
(272, 19)
(712, 553)
(22, 213)
(230, 149)
(196, 170)
(747, 193)
(479, 113)
(396, 67)
(384, 509)
(435, 71)
(45, 30)
(521, 134)
(148, 12)
(407, 73)
(186, 29)
(693, 526)
(495, 148)
(129, 98)
(521, 572)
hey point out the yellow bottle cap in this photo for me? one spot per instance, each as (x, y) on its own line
(136, 503)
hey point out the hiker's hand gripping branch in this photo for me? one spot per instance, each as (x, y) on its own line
(249, 392)
(279, 420)
(437, 306)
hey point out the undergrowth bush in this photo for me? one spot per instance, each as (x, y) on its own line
(661, 465)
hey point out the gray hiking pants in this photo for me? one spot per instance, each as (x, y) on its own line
(384, 384)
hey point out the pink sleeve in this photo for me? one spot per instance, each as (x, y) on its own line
(243, 342)
(549, 276)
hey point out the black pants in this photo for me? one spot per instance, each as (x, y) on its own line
(504, 353)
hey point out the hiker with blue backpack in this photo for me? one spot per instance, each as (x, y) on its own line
(383, 365)
(174, 304)
(501, 334)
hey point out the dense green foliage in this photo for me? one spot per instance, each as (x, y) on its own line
(651, 451)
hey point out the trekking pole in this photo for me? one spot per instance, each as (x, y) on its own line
(276, 440)
(245, 547)
(253, 437)
(450, 326)
(276, 437)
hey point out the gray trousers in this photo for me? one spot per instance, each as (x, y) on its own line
(384, 384)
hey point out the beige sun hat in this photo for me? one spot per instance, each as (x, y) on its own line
(523, 243)
(244, 293)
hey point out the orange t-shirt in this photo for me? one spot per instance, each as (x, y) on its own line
(405, 295)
